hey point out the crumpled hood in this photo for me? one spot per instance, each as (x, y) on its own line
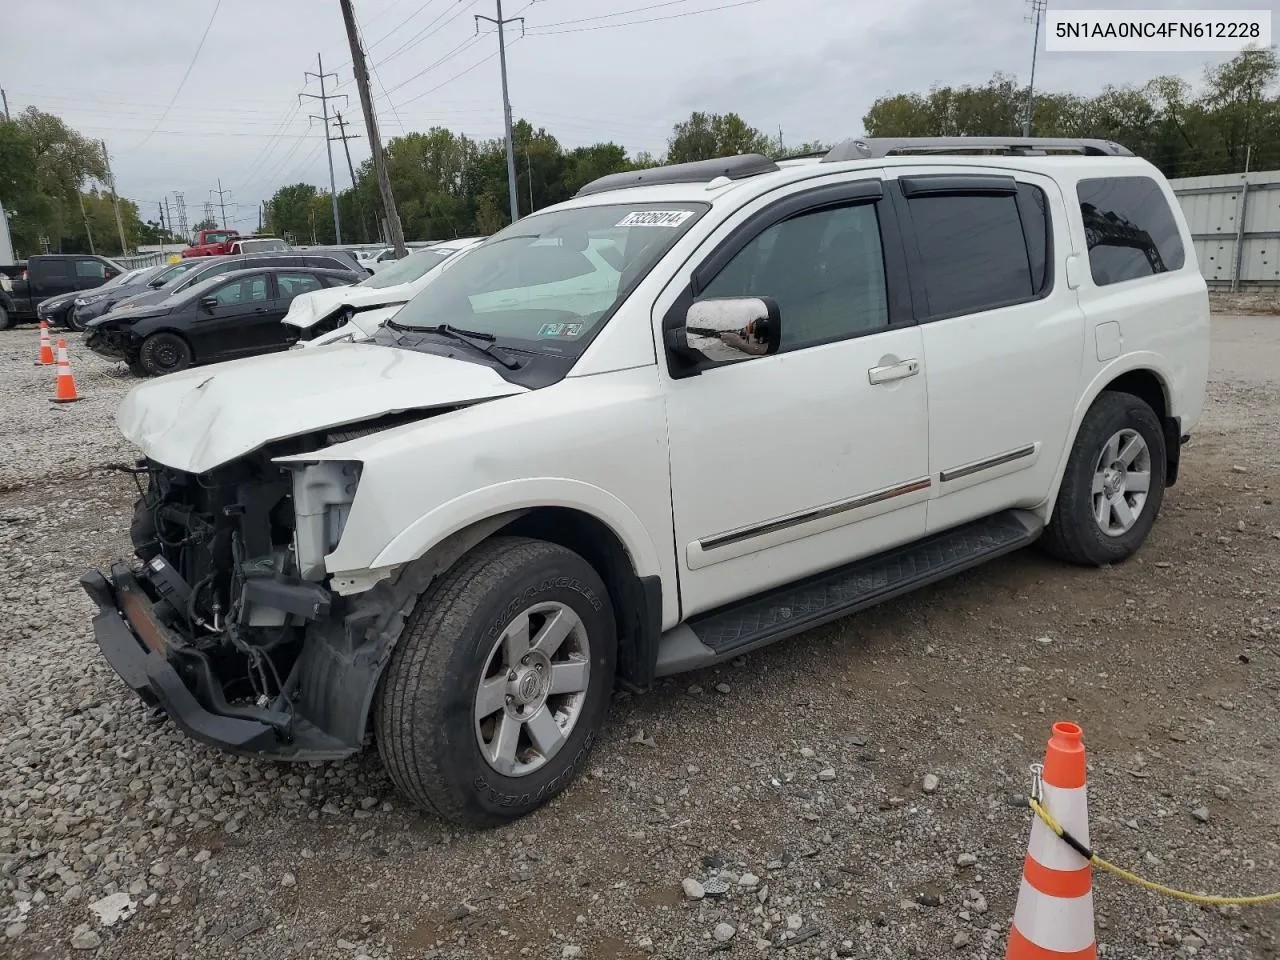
(201, 418)
(308, 309)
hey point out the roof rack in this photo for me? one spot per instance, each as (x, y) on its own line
(697, 171)
(873, 147)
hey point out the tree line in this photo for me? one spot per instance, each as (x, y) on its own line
(52, 187)
(449, 185)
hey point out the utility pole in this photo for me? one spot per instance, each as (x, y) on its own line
(160, 207)
(328, 145)
(528, 164)
(1037, 11)
(394, 229)
(115, 200)
(344, 137)
(506, 102)
(85, 217)
(5, 97)
(1238, 259)
(222, 202)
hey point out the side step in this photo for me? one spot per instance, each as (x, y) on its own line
(796, 607)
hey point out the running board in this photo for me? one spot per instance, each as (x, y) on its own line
(784, 611)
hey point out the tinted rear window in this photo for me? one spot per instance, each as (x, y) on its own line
(1129, 228)
(973, 252)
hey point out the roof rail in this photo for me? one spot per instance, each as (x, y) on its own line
(873, 147)
(696, 171)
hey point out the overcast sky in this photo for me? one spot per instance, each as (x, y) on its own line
(111, 68)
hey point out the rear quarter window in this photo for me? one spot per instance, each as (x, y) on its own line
(1129, 229)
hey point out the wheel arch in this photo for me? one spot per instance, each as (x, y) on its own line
(1141, 375)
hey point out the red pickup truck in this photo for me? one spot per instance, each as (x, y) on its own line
(212, 243)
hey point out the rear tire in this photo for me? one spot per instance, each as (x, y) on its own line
(466, 728)
(1113, 485)
(163, 353)
(5, 321)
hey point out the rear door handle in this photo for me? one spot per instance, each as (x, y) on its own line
(894, 371)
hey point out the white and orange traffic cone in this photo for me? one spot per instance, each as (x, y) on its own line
(66, 390)
(1053, 919)
(46, 348)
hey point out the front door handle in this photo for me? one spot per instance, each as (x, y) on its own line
(894, 371)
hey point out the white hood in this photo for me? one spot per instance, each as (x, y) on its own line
(201, 418)
(308, 309)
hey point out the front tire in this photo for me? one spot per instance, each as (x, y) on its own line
(498, 686)
(4, 319)
(1113, 485)
(163, 353)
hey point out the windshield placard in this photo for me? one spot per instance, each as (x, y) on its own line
(655, 218)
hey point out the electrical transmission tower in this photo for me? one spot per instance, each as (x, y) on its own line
(328, 146)
(208, 212)
(181, 205)
(1034, 15)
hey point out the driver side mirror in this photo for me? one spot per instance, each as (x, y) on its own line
(208, 303)
(727, 328)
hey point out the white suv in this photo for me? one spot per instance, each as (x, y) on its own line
(691, 411)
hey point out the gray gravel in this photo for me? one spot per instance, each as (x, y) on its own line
(846, 794)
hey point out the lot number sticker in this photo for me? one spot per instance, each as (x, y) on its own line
(655, 218)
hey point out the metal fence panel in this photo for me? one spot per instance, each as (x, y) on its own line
(1234, 220)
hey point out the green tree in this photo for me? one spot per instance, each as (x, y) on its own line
(705, 136)
(205, 224)
(289, 211)
(584, 164)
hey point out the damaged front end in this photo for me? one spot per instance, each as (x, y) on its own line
(226, 624)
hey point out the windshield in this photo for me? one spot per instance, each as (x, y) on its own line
(172, 272)
(412, 267)
(549, 280)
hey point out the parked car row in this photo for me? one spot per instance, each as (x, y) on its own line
(205, 309)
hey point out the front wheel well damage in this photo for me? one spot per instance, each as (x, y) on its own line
(637, 601)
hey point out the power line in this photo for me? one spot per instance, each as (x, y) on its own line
(616, 13)
(394, 29)
(190, 66)
(469, 42)
(459, 74)
(426, 33)
(536, 32)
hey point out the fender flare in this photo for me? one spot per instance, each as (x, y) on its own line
(1140, 361)
(524, 494)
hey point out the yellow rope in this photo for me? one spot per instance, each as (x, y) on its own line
(1098, 862)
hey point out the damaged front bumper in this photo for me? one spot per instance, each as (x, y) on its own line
(170, 675)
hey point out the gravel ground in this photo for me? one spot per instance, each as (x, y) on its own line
(852, 787)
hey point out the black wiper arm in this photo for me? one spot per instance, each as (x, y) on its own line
(477, 340)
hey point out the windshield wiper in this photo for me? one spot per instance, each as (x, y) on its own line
(476, 339)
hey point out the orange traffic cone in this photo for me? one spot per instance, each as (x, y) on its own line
(1053, 919)
(66, 391)
(46, 348)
